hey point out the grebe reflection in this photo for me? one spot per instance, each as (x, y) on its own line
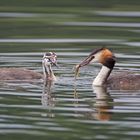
(103, 103)
(48, 99)
(99, 107)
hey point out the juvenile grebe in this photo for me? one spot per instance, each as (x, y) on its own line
(13, 74)
(49, 59)
(47, 100)
(123, 80)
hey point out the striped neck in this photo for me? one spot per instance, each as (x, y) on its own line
(48, 73)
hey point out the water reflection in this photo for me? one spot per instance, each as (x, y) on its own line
(48, 101)
(99, 106)
(118, 13)
(103, 103)
(102, 24)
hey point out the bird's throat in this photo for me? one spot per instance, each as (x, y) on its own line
(102, 76)
(48, 74)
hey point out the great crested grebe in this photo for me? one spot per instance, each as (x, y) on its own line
(122, 80)
(47, 100)
(14, 74)
(49, 60)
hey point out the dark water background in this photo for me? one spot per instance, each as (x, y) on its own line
(72, 29)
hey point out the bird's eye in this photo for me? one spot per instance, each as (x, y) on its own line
(93, 57)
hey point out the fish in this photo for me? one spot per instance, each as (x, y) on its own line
(77, 69)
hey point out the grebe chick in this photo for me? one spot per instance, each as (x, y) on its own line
(21, 74)
(127, 81)
(49, 60)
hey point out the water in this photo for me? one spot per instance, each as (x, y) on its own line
(71, 110)
(68, 109)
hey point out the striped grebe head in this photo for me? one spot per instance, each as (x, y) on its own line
(49, 60)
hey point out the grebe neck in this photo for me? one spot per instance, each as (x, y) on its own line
(102, 76)
(48, 73)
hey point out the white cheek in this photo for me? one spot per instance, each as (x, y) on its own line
(96, 58)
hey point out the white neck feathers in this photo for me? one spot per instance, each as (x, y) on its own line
(102, 76)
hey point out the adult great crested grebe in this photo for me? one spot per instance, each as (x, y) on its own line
(14, 74)
(124, 80)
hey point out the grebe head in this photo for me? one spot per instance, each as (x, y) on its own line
(102, 55)
(49, 60)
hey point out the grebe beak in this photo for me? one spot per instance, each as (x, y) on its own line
(86, 61)
(83, 63)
